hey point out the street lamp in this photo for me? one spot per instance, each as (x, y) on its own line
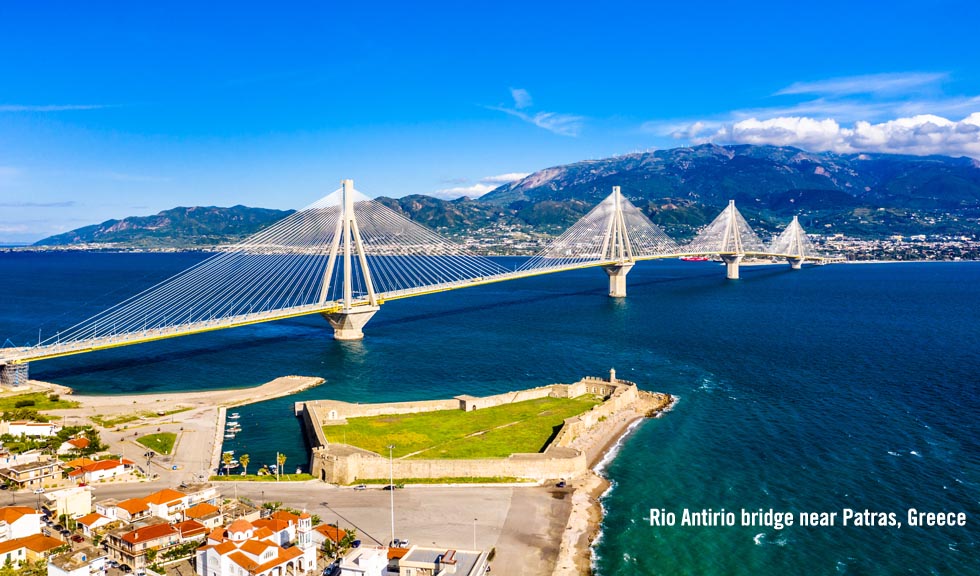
(474, 534)
(391, 488)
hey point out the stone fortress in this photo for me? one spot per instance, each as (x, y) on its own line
(566, 456)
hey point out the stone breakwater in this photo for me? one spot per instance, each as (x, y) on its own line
(571, 453)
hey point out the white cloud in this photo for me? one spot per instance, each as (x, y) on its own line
(561, 124)
(890, 83)
(920, 135)
(505, 178)
(49, 107)
(522, 98)
(486, 184)
(474, 191)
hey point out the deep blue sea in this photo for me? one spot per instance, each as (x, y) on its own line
(844, 386)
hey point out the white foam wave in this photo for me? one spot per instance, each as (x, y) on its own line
(669, 408)
(759, 538)
(914, 453)
(610, 455)
(893, 453)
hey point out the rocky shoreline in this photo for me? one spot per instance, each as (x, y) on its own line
(585, 519)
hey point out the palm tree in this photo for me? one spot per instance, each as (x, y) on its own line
(226, 458)
(243, 460)
(280, 461)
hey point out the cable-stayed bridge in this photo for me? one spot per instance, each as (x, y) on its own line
(345, 255)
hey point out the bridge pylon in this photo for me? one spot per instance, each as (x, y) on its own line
(13, 374)
(794, 244)
(730, 237)
(617, 248)
(349, 321)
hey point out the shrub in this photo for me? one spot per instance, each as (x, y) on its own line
(24, 403)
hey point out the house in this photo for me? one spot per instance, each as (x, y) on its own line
(7, 459)
(92, 522)
(72, 502)
(86, 561)
(438, 561)
(18, 522)
(127, 511)
(365, 562)
(197, 493)
(79, 462)
(74, 444)
(28, 549)
(243, 548)
(101, 470)
(25, 428)
(325, 532)
(167, 504)
(129, 545)
(207, 514)
(190, 530)
(33, 474)
(282, 524)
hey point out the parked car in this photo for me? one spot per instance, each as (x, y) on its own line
(360, 487)
(356, 544)
(77, 538)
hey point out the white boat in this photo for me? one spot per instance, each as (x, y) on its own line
(228, 452)
(234, 416)
(230, 435)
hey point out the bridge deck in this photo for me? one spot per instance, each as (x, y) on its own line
(56, 350)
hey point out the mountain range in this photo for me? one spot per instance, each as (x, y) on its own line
(681, 189)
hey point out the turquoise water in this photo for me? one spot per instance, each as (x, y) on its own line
(848, 386)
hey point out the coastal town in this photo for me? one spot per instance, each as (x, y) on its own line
(97, 488)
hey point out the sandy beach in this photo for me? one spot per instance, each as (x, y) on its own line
(166, 402)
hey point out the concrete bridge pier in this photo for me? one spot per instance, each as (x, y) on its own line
(13, 374)
(795, 263)
(731, 263)
(617, 279)
(348, 324)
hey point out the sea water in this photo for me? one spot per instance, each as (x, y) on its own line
(814, 391)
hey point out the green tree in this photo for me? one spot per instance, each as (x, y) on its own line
(226, 458)
(244, 459)
(280, 461)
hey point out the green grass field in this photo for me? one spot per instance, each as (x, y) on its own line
(162, 443)
(486, 433)
(35, 401)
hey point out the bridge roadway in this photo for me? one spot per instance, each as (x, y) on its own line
(21, 355)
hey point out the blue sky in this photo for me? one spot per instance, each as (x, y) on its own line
(111, 109)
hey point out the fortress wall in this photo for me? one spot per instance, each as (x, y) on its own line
(351, 468)
(335, 411)
(311, 424)
(559, 460)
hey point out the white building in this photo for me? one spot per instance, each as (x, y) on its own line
(22, 427)
(242, 548)
(365, 562)
(18, 522)
(86, 561)
(73, 502)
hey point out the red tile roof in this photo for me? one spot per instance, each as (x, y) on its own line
(165, 496)
(201, 510)
(331, 532)
(133, 506)
(11, 514)
(90, 519)
(147, 533)
(80, 443)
